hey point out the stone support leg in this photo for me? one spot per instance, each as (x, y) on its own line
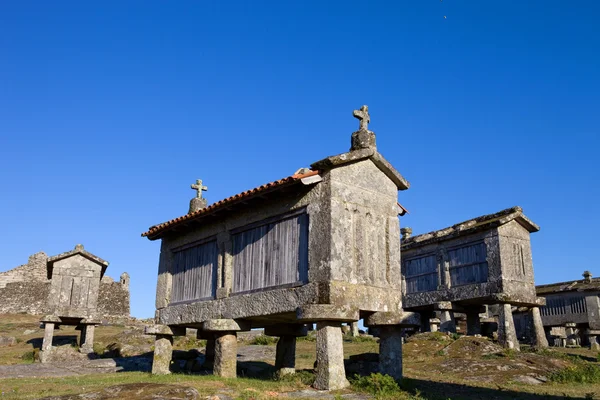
(571, 330)
(473, 323)
(163, 352)
(507, 335)
(209, 354)
(285, 357)
(225, 355)
(390, 351)
(434, 324)
(87, 339)
(447, 323)
(331, 374)
(354, 330)
(47, 343)
(539, 335)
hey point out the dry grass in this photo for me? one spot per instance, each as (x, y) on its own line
(436, 367)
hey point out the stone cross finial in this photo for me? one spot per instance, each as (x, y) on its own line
(406, 233)
(199, 188)
(587, 276)
(363, 117)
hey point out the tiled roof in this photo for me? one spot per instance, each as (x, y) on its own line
(154, 232)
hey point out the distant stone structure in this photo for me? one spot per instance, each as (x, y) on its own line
(321, 246)
(25, 289)
(571, 316)
(483, 261)
(74, 286)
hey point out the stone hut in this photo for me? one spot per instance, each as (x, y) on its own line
(571, 316)
(320, 246)
(483, 261)
(73, 299)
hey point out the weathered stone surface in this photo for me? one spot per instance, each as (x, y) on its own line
(434, 324)
(163, 353)
(390, 351)
(225, 325)
(447, 323)
(225, 363)
(87, 339)
(393, 318)
(330, 373)
(164, 330)
(7, 341)
(326, 312)
(136, 391)
(507, 336)
(539, 335)
(285, 358)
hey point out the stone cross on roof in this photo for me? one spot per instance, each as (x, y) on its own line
(363, 117)
(199, 187)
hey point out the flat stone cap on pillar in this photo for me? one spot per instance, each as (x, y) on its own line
(592, 332)
(164, 330)
(326, 312)
(225, 325)
(571, 325)
(50, 318)
(393, 318)
(443, 305)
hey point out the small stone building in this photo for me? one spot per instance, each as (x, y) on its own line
(571, 316)
(462, 268)
(25, 289)
(320, 246)
(75, 281)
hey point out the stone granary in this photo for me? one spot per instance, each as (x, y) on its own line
(486, 260)
(75, 282)
(572, 312)
(321, 246)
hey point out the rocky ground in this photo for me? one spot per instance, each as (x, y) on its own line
(436, 366)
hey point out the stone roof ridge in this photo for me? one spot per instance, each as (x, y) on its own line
(78, 250)
(304, 175)
(569, 286)
(353, 156)
(499, 218)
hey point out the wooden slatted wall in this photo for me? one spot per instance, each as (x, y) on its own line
(195, 273)
(271, 255)
(468, 264)
(421, 274)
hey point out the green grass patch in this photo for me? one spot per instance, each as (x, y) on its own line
(359, 339)
(578, 373)
(264, 340)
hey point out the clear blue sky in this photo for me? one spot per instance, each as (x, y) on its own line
(110, 110)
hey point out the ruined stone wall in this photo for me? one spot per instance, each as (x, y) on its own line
(25, 289)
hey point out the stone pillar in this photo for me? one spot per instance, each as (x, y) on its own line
(473, 322)
(285, 357)
(447, 323)
(592, 338)
(225, 364)
(434, 324)
(390, 351)
(539, 335)
(331, 374)
(87, 339)
(354, 331)
(507, 335)
(571, 329)
(47, 343)
(209, 354)
(163, 352)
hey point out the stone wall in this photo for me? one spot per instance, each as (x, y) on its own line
(25, 289)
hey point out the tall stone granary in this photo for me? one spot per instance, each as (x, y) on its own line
(320, 246)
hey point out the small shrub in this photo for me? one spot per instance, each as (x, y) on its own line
(580, 373)
(359, 339)
(309, 338)
(455, 336)
(440, 353)
(264, 340)
(376, 384)
(29, 357)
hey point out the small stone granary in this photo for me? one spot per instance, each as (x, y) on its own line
(321, 246)
(75, 281)
(486, 260)
(571, 316)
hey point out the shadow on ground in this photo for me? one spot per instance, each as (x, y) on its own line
(442, 391)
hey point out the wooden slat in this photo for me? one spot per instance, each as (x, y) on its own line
(271, 255)
(195, 273)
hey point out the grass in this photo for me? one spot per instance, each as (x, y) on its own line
(264, 340)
